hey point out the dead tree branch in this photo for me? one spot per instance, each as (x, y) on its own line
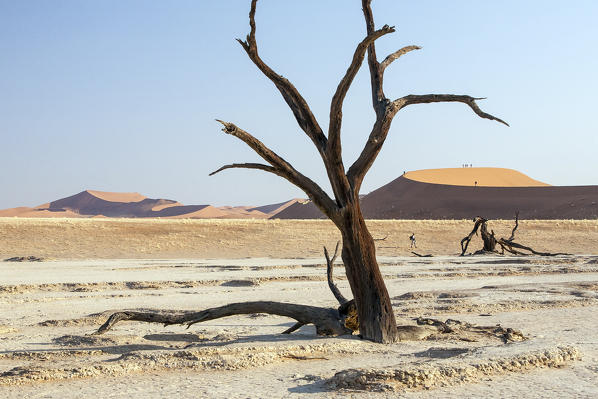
(329, 269)
(490, 241)
(260, 166)
(465, 241)
(512, 237)
(336, 114)
(327, 321)
(394, 56)
(443, 98)
(291, 95)
(421, 256)
(282, 168)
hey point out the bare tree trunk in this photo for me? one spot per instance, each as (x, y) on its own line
(488, 238)
(376, 318)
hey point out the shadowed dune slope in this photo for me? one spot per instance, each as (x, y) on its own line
(273, 209)
(131, 205)
(91, 203)
(404, 198)
(408, 199)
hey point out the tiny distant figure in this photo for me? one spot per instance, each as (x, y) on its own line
(471, 165)
(476, 184)
(412, 238)
(403, 172)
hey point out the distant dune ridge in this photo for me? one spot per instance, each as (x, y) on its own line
(451, 193)
(498, 194)
(91, 203)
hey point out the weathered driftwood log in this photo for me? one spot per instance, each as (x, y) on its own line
(328, 321)
(490, 241)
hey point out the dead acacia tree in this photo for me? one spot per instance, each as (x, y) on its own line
(490, 241)
(376, 317)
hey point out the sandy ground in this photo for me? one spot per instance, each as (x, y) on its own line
(186, 238)
(48, 309)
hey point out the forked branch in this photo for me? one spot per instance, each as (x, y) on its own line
(336, 114)
(281, 168)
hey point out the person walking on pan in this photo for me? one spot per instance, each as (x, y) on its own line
(412, 238)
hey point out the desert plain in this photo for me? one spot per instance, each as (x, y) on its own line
(90, 268)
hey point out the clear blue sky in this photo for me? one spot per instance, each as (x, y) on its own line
(121, 95)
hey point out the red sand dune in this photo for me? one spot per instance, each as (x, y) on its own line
(480, 177)
(424, 194)
(91, 203)
(404, 198)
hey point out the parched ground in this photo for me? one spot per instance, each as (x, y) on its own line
(49, 309)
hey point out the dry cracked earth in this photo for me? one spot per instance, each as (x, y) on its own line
(48, 311)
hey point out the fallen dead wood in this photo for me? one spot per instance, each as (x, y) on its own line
(422, 256)
(328, 321)
(381, 239)
(506, 244)
(24, 259)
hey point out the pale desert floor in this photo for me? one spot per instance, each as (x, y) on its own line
(48, 309)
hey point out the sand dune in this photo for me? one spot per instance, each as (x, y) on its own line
(452, 193)
(92, 203)
(408, 199)
(484, 177)
(27, 212)
(502, 193)
(165, 205)
(207, 212)
(14, 211)
(273, 209)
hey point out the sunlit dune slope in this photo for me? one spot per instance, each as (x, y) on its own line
(453, 194)
(484, 177)
(117, 197)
